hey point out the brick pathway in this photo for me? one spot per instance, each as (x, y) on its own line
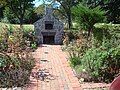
(95, 86)
(53, 62)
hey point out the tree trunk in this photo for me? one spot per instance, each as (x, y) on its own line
(69, 19)
(89, 32)
(1, 12)
(21, 22)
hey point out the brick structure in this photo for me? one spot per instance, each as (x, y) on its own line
(49, 30)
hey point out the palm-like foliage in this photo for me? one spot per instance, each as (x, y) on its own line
(87, 17)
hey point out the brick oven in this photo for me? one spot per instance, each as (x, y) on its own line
(49, 30)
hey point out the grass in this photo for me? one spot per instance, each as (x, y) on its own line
(25, 26)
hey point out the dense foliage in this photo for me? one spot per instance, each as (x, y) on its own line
(112, 8)
(101, 31)
(16, 61)
(102, 62)
(98, 59)
(19, 8)
(65, 9)
(87, 17)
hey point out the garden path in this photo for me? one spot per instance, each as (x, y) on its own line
(53, 65)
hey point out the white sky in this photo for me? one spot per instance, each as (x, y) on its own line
(38, 2)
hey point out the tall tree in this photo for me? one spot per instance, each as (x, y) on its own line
(19, 7)
(2, 3)
(40, 10)
(1, 12)
(11, 17)
(112, 8)
(65, 9)
(87, 17)
(93, 3)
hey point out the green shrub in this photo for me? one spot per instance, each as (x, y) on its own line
(75, 61)
(3, 38)
(5, 20)
(15, 71)
(103, 30)
(77, 49)
(9, 32)
(34, 45)
(102, 62)
(15, 66)
(100, 57)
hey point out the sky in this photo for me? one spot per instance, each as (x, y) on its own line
(39, 2)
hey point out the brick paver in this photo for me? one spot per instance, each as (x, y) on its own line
(95, 86)
(59, 75)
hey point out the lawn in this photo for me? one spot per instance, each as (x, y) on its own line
(25, 26)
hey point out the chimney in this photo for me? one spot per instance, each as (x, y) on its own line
(48, 10)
